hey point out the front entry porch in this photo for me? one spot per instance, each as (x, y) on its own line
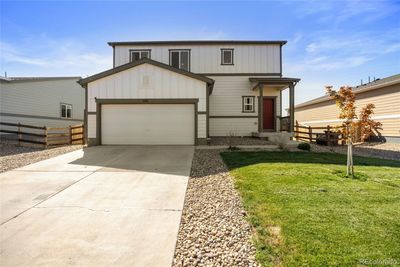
(272, 124)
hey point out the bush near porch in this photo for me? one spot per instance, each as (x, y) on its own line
(305, 212)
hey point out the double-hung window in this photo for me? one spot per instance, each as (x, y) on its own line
(66, 111)
(248, 104)
(226, 56)
(139, 54)
(180, 59)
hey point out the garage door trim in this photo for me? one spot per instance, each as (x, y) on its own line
(100, 102)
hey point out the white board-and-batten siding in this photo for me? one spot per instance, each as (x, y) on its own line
(265, 58)
(146, 82)
(226, 106)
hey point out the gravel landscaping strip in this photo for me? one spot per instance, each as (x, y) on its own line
(213, 230)
(246, 141)
(377, 150)
(13, 156)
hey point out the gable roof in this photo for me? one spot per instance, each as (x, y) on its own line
(33, 79)
(140, 62)
(198, 42)
(379, 83)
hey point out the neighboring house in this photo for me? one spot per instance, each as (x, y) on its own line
(182, 92)
(383, 93)
(42, 101)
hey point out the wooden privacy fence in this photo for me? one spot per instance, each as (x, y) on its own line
(327, 134)
(47, 136)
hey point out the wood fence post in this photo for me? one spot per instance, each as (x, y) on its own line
(45, 136)
(296, 134)
(83, 134)
(70, 135)
(310, 133)
(328, 137)
(19, 134)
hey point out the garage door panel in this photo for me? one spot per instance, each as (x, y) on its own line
(147, 124)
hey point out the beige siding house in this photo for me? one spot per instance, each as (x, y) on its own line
(42, 101)
(384, 93)
(183, 92)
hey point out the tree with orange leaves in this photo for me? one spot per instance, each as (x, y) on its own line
(361, 125)
(345, 100)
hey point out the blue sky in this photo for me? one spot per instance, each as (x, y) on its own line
(329, 42)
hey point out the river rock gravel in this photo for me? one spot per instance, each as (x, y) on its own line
(13, 156)
(213, 230)
(377, 150)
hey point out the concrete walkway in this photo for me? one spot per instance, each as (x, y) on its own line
(101, 206)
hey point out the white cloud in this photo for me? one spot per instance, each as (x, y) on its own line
(334, 51)
(47, 57)
(9, 54)
(336, 12)
(42, 55)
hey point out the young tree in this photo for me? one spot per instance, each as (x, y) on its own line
(345, 100)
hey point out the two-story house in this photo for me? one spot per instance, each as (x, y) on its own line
(182, 92)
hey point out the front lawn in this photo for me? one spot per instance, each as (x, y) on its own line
(306, 212)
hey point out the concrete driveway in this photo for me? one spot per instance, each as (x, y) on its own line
(100, 206)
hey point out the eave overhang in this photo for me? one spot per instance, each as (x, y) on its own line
(277, 81)
(200, 42)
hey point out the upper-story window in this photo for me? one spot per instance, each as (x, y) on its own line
(66, 111)
(139, 54)
(180, 59)
(226, 56)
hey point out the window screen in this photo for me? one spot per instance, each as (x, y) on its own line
(248, 103)
(139, 54)
(227, 56)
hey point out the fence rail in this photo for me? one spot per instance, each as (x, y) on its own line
(47, 136)
(328, 134)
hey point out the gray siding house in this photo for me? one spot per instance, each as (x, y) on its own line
(183, 92)
(42, 101)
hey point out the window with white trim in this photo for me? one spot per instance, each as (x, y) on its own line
(248, 103)
(180, 59)
(66, 111)
(139, 54)
(226, 56)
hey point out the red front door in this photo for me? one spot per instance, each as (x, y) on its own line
(268, 114)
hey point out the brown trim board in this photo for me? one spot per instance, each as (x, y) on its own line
(260, 107)
(100, 102)
(196, 42)
(140, 62)
(38, 117)
(240, 74)
(233, 117)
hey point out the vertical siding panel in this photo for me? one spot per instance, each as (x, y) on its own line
(207, 58)
(263, 60)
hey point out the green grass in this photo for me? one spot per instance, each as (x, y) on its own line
(319, 216)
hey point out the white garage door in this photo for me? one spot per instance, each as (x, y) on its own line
(147, 124)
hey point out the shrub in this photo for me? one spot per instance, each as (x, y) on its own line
(304, 146)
